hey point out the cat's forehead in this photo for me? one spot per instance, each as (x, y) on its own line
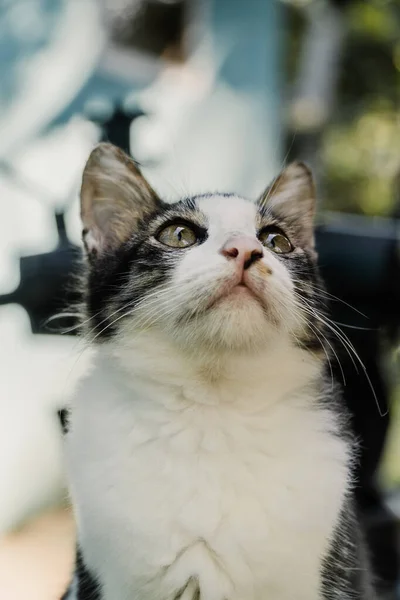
(228, 212)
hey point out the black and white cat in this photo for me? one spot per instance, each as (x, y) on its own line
(209, 456)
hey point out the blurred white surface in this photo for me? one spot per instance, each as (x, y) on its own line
(52, 77)
(202, 134)
(37, 373)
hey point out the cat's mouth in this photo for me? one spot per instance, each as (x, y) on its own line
(242, 291)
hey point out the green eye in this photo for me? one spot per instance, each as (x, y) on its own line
(177, 236)
(277, 242)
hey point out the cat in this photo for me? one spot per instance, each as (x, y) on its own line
(208, 451)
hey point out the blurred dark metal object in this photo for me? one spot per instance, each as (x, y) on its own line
(151, 26)
(45, 279)
(341, 3)
(359, 260)
(114, 121)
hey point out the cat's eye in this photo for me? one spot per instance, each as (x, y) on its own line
(275, 241)
(177, 236)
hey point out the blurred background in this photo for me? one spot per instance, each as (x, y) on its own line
(206, 95)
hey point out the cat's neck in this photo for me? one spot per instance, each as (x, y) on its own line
(150, 360)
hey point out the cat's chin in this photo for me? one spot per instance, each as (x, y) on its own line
(236, 322)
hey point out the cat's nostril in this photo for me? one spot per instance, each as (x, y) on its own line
(257, 254)
(230, 252)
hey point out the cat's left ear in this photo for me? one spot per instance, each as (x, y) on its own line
(291, 198)
(114, 198)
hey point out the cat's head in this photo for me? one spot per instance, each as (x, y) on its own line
(215, 271)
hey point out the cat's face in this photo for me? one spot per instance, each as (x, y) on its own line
(215, 271)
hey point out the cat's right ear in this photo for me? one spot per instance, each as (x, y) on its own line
(291, 198)
(114, 197)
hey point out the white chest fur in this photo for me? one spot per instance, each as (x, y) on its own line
(236, 490)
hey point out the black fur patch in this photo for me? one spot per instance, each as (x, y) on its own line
(346, 571)
(87, 587)
(116, 282)
(63, 415)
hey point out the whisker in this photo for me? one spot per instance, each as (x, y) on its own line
(330, 296)
(329, 344)
(354, 326)
(343, 338)
(316, 314)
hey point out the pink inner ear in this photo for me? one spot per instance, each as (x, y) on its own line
(91, 241)
(114, 195)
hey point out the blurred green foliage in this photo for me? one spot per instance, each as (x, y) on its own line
(361, 144)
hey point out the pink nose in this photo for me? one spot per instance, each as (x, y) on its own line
(244, 250)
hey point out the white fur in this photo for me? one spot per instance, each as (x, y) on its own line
(217, 468)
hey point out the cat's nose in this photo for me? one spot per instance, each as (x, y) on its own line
(244, 250)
